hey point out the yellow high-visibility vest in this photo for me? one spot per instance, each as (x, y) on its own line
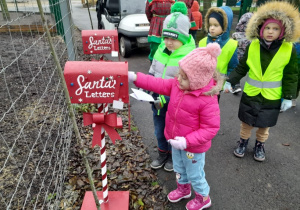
(269, 84)
(227, 52)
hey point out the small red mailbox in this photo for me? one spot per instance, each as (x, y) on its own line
(97, 82)
(100, 41)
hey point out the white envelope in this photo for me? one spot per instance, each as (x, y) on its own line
(141, 95)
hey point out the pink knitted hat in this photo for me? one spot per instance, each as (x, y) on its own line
(200, 64)
(272, 20)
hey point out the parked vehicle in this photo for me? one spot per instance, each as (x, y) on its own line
(129, 18)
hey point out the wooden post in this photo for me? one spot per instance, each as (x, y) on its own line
(4, 9)
(206, 6)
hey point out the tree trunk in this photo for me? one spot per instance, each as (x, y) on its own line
(206, 6)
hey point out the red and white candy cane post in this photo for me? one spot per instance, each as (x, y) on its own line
(101, 83)
(103, 108)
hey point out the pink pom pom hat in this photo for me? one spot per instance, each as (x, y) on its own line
(200, 64)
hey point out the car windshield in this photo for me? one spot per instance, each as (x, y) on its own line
(129, 7)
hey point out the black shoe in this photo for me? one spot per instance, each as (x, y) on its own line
(259, 151)
(241, 149)
(169, 163)
(236, 89)
(160, 160)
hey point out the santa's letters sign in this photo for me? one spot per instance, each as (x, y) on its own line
(97, 82)
(99, 41)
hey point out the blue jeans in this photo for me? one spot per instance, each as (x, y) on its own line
(189, 168)
(159, 118)
(159, 127)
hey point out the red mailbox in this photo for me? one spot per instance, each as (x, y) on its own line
(100, 41)
(97, 82)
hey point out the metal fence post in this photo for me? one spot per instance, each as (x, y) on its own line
(55, 9)
(67, 29)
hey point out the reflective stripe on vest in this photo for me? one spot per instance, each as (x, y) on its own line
(168, 64)
(269, 84)
(265, 84)
(227, 52)
(172, 70)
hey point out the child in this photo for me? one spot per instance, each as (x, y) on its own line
(100, 5)
(177, 44)
(240, 34)
(156, 12)
(243, 42)
(218, 21)
(271, 63)
(198, 19)
(192, 120)
(189, 4)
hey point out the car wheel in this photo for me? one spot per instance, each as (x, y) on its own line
(125, 47)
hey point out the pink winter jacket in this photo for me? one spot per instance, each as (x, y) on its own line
(190, 114)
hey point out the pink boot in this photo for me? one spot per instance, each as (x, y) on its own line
(182, 191)
(198, 203)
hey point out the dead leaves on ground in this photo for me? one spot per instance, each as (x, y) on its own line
(128, 168)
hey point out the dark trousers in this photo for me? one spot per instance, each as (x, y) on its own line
(193, 33)
(99, 20)
(153, 48)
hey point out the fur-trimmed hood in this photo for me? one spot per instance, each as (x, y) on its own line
(283, 11)
(227, 14)
(219, 84)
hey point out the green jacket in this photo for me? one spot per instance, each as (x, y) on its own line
(165, 65)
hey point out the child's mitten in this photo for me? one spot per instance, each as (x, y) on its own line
(227, 87)
(285, 105)
(178, 143)
(131, 76)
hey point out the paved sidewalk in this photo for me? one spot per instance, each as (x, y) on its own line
(236, 184)
(81, 16)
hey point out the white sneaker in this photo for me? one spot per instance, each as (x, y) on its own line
(294, 102)
(236, 89)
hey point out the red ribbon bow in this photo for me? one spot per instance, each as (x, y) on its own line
(108, 122)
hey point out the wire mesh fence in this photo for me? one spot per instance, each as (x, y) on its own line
(35, 128)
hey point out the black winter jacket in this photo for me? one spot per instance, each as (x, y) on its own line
(258, 111)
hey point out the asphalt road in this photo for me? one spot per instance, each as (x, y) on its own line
(236, 183)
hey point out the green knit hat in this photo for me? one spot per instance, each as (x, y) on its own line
(177, 24)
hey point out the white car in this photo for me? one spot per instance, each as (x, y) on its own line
(129, 18)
